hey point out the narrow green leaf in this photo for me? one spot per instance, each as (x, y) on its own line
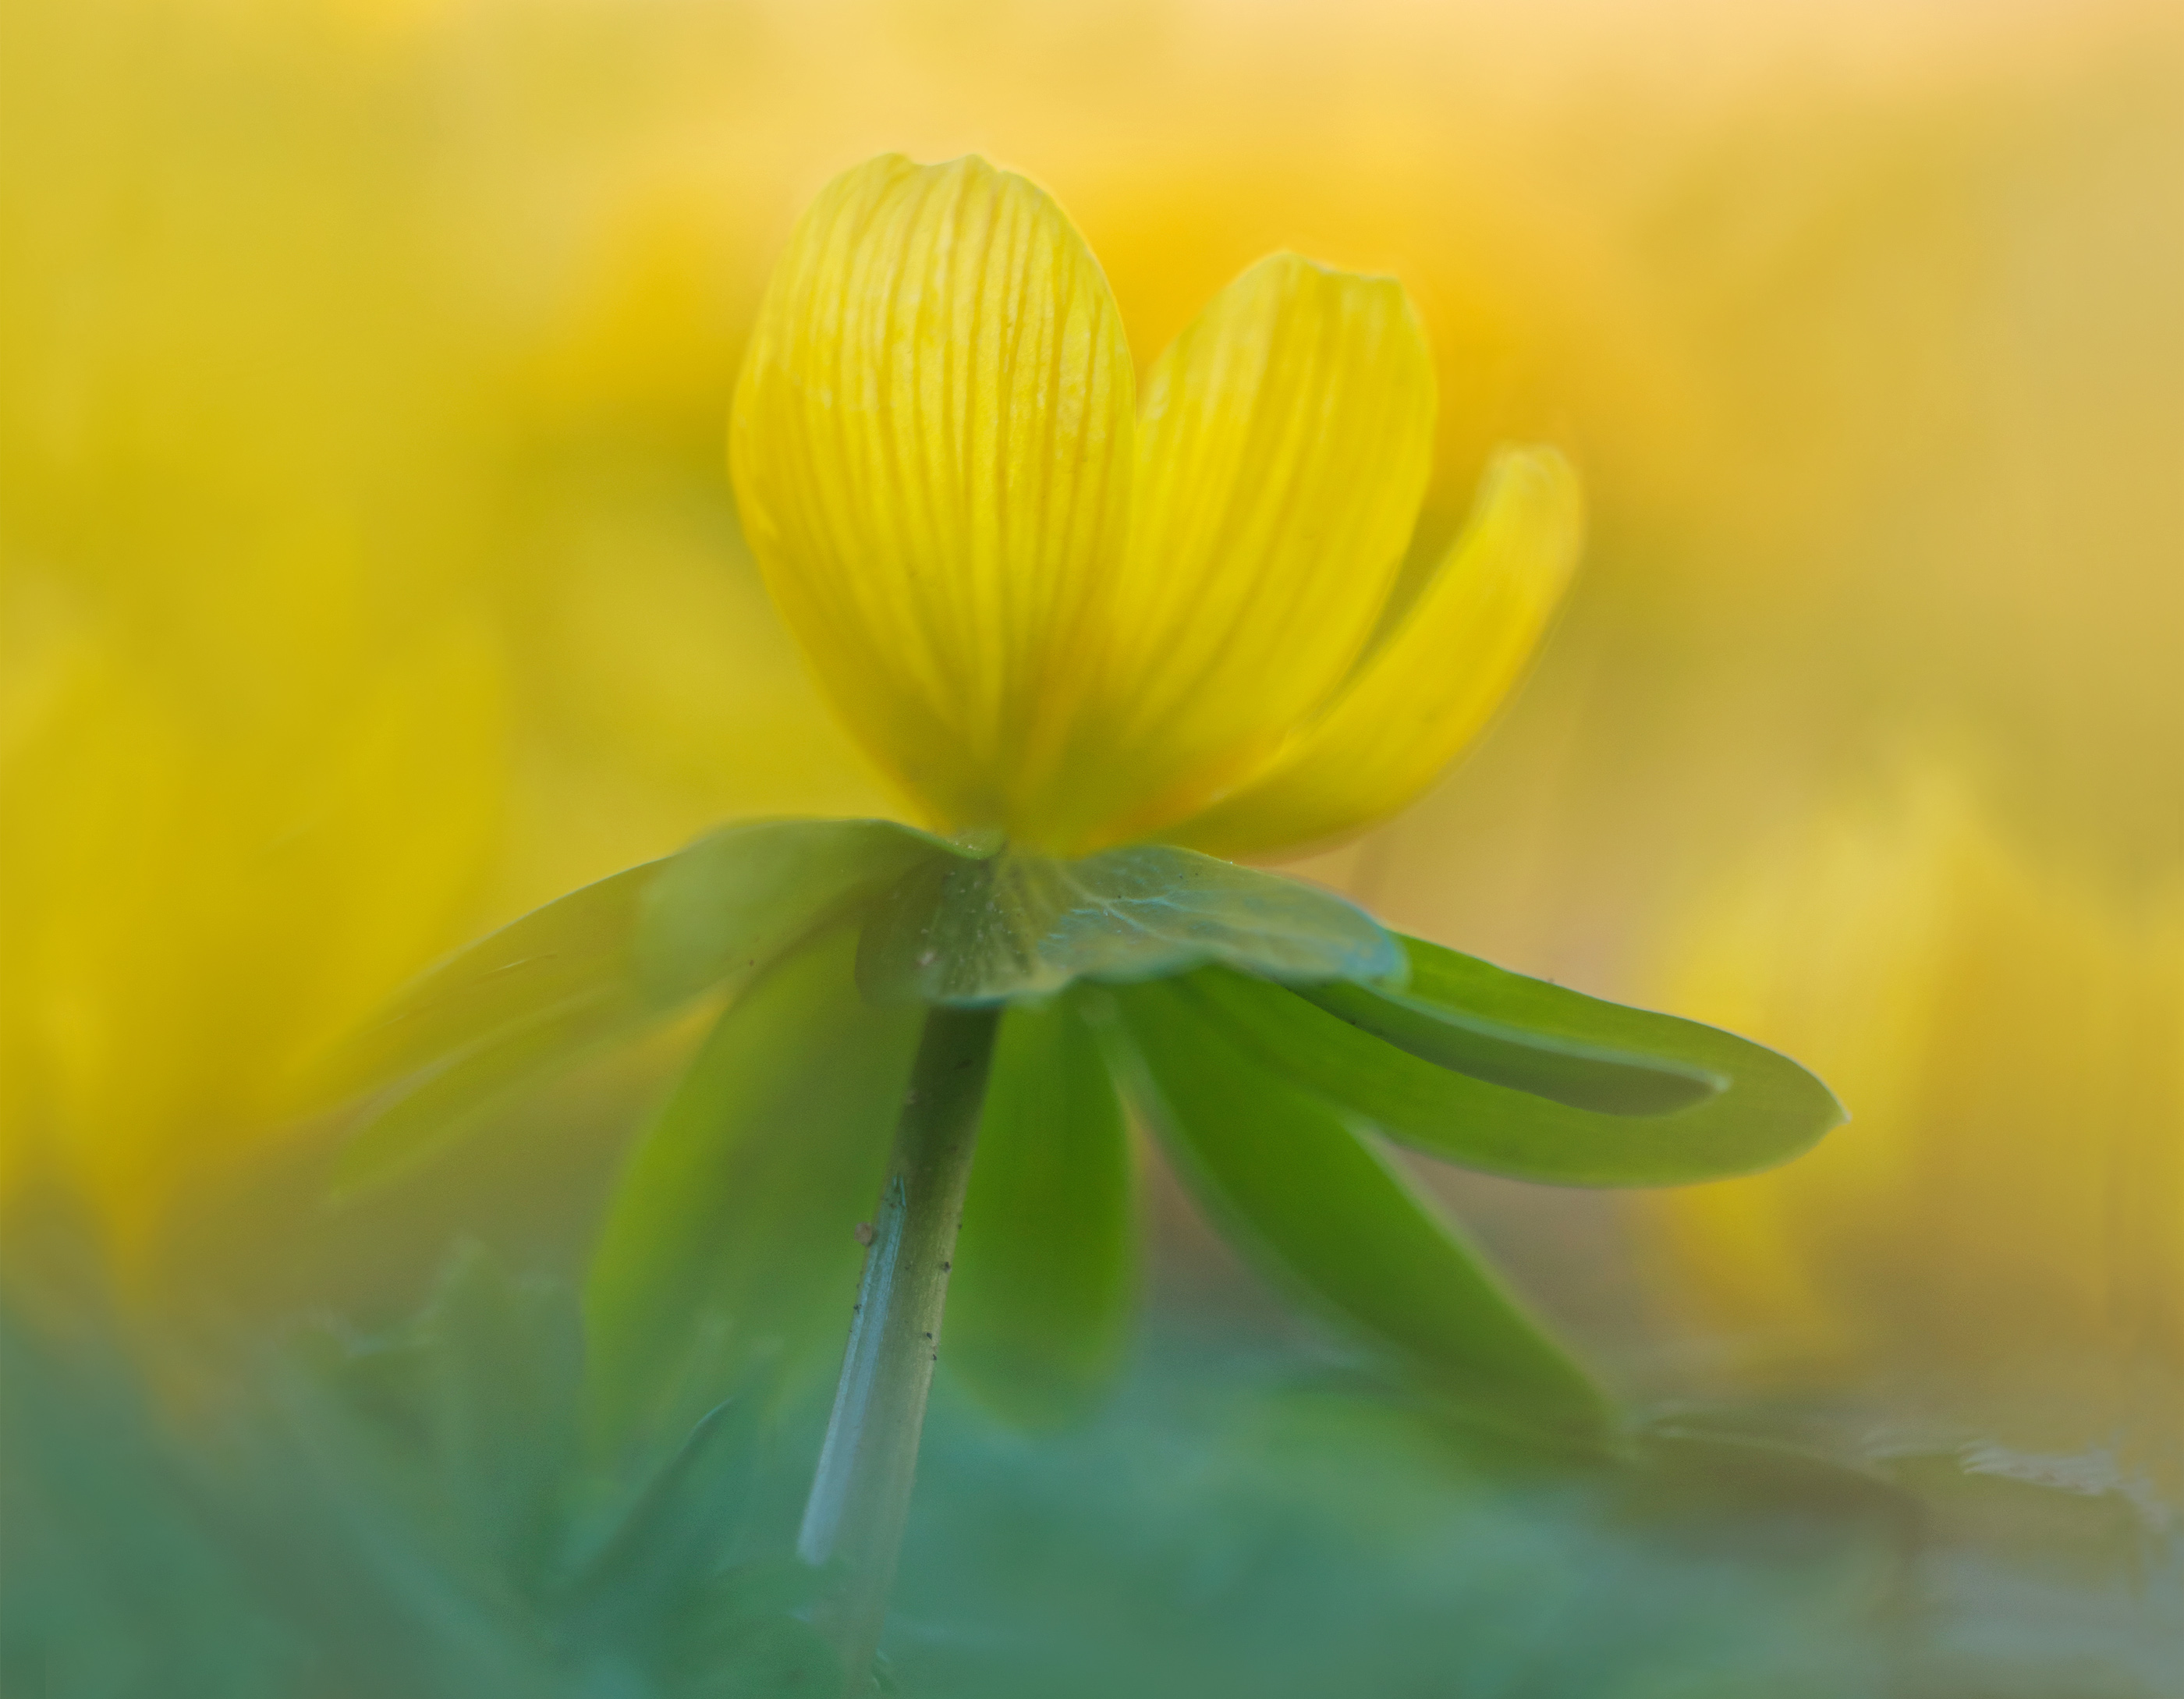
(730, 1235)
(1315, 1201)
(1770, 1109)
(673, 1535)
(597, 965)
(574, 951)
(1583, 1075)
(722, 909)
(433, 1108)
(1039, 1303)
(1767, 1111)
(967, 930)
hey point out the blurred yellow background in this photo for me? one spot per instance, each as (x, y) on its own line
(371, 574)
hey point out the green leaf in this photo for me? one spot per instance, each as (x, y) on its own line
(1566, 1070)
(729, 1234)
(1319, 1203)
(719, 911)
(433, 1108)
(1040, 1302)
(596, 965)
(673, 1535)
(573, 952)
(1770, 1109)
(967, 930)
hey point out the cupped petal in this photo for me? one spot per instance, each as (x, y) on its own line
(932, 448)
(1283, 448)
(1430, 687)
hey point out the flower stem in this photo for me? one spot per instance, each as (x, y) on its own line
(859, 1497)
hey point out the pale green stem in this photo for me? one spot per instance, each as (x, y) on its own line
(861, 1495)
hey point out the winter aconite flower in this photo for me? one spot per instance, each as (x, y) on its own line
(1095, 635)
(1053, 604)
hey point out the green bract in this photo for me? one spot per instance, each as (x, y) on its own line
(1273, 1037)
(962, 929)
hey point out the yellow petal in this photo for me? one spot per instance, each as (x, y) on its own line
(1427, 690)
(1282, 446)
(931, 445)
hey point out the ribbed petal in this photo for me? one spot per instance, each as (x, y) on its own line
(1283, 445)
(1427, 689)
(931, 445)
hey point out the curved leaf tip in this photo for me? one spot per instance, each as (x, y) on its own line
(1513, 1075)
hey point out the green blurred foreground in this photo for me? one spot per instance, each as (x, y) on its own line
(411, 1513)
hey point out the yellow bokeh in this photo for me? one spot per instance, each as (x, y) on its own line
(372, 572)
(2001, 1225)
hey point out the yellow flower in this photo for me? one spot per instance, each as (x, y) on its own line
(1050, 606)
(204, 896)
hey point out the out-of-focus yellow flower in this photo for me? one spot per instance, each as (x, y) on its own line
(337, 620)
(202, 894)
(2004, 1219)
(1050, 610)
